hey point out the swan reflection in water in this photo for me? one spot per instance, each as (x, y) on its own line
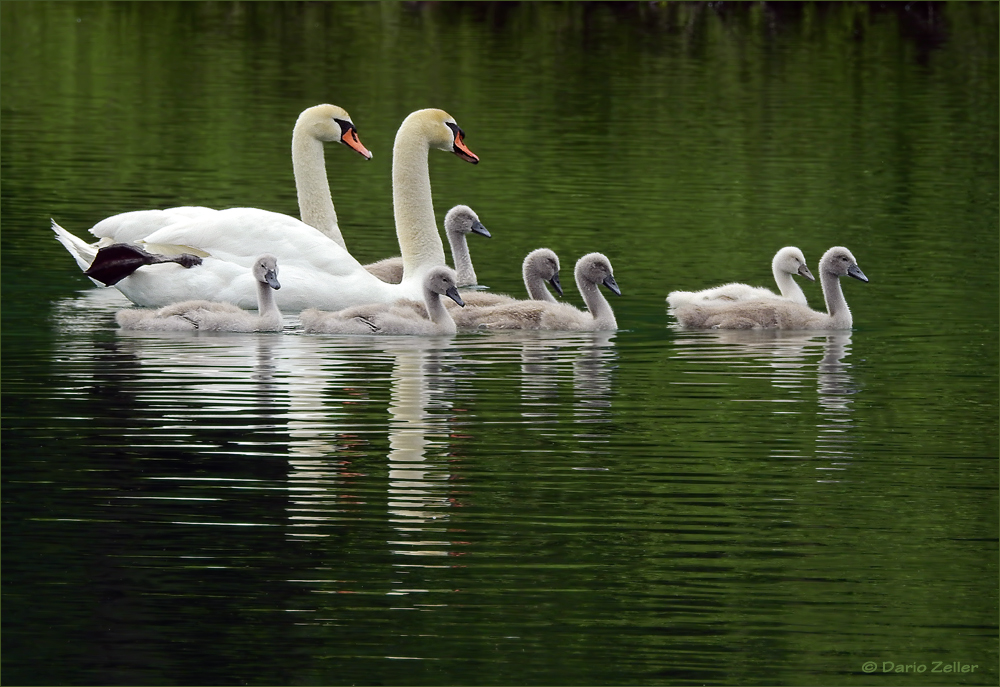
(308, 401)
(317, 404)
(547, 359)
(419, 427)
(785, 358)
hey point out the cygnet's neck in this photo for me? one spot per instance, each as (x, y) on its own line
(461, 258)
(437, 313)
(836, 304)
(413, 209)
(267, 308)
(597, 304)
(535, 284)
(787, 285)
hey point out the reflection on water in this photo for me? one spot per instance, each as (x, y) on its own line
(328, 405)
(644, 508)
(787, 360)
(836, 389)
(490, 484)
(419, 491)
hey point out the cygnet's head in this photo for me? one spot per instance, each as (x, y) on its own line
(330, 123)
(544, 264)
(839, 262)
(442, 280)
(265, 270)
(462, 220)
(440, 130)
(595, 268)
(791, 260)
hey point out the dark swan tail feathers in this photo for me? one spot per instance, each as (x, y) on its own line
(119, 260)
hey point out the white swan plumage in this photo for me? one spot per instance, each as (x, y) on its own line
(214, 315)
(776, 313)
(317, 271)
(317, 125)
(399, 318)
(314, 126)
(787, 262)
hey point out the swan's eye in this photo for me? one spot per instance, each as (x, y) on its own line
(346, 127)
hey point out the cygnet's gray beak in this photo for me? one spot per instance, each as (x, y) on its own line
(271, 277)
(610, 282)
(555, 283)
(478, 228)
(452, 293)
(804, 272)
(855, 271)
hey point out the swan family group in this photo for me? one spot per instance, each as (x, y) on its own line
(194, 267)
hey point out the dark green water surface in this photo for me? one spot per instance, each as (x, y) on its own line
(649, 506)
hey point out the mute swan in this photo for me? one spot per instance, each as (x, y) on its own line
(314, 126)
(540, 265)
(317, 271)
(787, 261)
(215, 316)
(394, 318)
(459, 222)
(591, 270)
(774, 313)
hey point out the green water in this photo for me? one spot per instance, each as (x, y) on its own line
(645, 507)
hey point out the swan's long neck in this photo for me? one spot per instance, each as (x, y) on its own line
(267, 308)
(787, 285)
(437, 313)
(597, 304)
(535, 286)
(461, 258)
(836, 304)
(413, 209)
(315, 201)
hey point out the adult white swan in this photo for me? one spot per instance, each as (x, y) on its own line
(317, 272)
(776, 313)
(787, 262)
(314, 126)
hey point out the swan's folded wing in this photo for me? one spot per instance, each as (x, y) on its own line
(239, 235)
(129, 227)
